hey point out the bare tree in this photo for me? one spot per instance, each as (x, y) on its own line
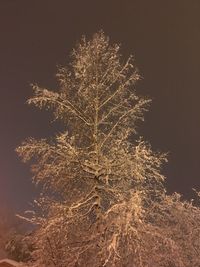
(100, 180)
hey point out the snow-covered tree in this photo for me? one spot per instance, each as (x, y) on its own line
(6, 229)
(18, 247)
(101, 183)
(10, 227)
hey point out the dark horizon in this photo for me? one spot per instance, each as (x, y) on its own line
(164, 37)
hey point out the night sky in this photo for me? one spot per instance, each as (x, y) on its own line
(164, 36)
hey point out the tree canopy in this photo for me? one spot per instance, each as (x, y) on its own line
(103, 201)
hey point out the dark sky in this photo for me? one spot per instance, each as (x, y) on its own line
(164, 36)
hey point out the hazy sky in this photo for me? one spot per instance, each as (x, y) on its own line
(164, 36)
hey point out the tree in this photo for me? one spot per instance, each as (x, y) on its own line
(102, 189)
(11, 235)
(6, 228)
(18, 247)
